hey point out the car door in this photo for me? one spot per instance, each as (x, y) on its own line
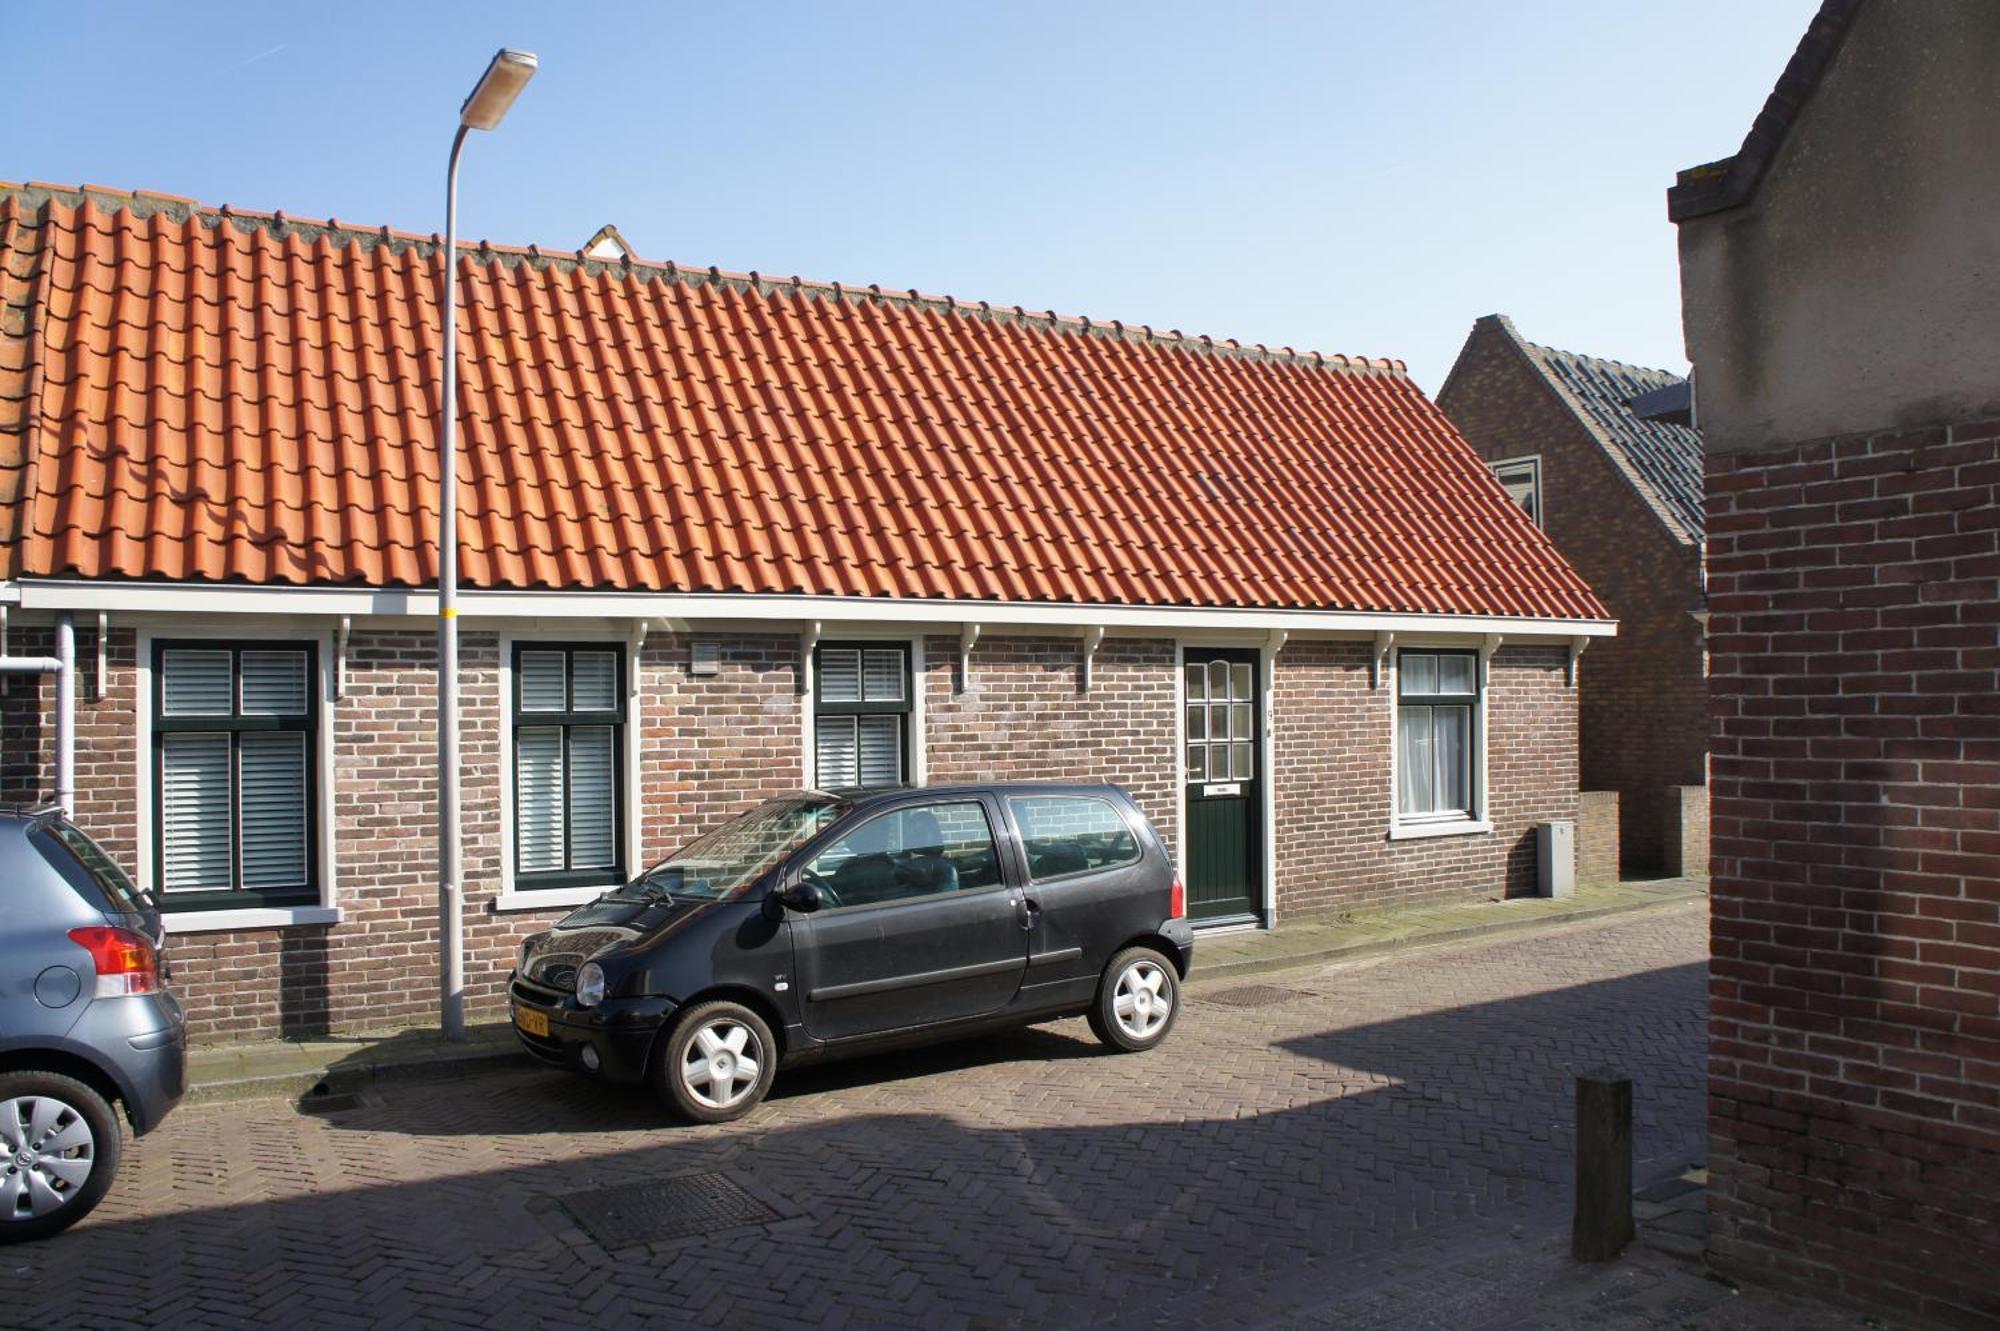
(1090, 886)
(921, 925)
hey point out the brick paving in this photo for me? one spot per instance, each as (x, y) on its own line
(1370, 1140)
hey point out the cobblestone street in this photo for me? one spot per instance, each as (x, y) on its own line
(1378, 1143)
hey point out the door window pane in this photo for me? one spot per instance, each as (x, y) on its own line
(1239, 761)
(1240, 687)
(1197, 722)
(1197, 681)
(1239, 721)
(1218, 679)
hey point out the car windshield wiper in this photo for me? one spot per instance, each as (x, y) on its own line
(647, 890)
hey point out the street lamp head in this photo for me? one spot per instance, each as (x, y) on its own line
(498, 87)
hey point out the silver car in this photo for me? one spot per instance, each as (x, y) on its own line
(86, 1023)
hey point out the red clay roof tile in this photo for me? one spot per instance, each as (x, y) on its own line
(200, 394)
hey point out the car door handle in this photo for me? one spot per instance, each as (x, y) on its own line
(1029, 911)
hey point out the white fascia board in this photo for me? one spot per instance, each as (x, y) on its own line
(725, 608)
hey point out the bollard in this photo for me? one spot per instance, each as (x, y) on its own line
(1603, 1222)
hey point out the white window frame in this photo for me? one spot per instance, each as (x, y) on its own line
(1412, 827)
(510, 897)
(919, 772)
(326, 862)
(1533, 462)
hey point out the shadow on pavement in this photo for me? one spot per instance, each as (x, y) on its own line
(1124, 1191)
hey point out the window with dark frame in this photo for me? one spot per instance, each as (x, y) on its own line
(1437, 735)
(569, 771)
(1522, 479)
(861, 714)
(235, 774)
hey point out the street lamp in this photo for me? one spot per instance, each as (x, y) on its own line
(502, 82)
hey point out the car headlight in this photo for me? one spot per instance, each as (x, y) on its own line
(590, 985)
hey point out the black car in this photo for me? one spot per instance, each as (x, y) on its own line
(830, 923)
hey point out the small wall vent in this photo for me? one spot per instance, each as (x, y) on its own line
(705, 657)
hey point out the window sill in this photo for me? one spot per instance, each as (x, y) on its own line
(1444, 827)
(550, 898)
(250, 917)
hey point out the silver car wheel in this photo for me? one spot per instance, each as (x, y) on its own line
(46, 1155)
(722, 1063)
(1142, 999)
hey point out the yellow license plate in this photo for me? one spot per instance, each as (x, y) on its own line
(534, 1023)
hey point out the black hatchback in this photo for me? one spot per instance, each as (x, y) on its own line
(831, 923)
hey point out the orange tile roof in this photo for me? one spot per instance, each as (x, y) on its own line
(220, 396)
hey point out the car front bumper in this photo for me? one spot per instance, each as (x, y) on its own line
(614, 1039)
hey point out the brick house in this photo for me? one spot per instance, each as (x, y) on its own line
(1602, 456)
(723, 536)
(1841, 299)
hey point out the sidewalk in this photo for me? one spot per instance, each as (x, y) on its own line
(326, 1070)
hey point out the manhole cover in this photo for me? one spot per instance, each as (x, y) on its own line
(655, 1210)
(1255, 995)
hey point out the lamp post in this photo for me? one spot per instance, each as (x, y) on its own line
(505, 76)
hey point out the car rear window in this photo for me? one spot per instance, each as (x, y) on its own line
(1065, 834)
(84, 866)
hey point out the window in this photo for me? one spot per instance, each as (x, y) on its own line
(1066, 834)
(914, 852)
(1221, 720)
(1436, 727)
(861, 715)
(569, 773)
(234, 773)
(1522, 479)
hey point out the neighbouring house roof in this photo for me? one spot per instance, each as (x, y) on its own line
(1615, 402)
(209, 395)
(1714, 187)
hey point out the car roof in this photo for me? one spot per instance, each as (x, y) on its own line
(861, 796)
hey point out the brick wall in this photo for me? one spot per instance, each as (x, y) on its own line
(1644, 705)
(711, 746)
(1686, 834)
(1332, 798)
(1028, 719)
(1855, 991)
(1597, 838)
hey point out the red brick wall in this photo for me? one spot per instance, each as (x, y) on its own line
(1332, 797)
(1643, 724)
(1855, 991)
(1597, 838)
(712, 746)
(1027, 718)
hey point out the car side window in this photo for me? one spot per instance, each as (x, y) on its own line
(912, 852)
(1066, 834)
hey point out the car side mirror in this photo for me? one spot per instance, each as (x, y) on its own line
(803, 897)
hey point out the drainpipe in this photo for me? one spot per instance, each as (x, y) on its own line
(63, 666)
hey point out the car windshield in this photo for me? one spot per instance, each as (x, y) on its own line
(736, 854)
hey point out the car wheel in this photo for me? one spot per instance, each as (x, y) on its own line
(59, 1145)
(718, 1062)
(1137, 1001)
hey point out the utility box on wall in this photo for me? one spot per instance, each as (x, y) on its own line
(1555, 858)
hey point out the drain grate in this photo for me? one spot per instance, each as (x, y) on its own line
(1255, 995)
(328, 1104)
(656, 1210)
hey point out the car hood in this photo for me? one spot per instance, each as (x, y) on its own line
(605, 924)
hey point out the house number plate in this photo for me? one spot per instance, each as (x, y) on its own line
(1230, 788)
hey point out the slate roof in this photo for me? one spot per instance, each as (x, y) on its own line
(198, 394)
(1663, 460)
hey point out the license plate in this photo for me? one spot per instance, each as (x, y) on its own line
(534, 1023)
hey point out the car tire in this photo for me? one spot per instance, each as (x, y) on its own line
(1138, 1001)
(45, 1189)
(701, 1072)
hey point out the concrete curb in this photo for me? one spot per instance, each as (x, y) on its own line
(291, 1071)
(1381, 946)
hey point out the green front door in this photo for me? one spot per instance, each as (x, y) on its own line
(1224, 783)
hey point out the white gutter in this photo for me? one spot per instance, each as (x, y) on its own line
(63, 666)
(947, 615)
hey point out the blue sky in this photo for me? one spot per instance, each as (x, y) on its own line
(1357, 176)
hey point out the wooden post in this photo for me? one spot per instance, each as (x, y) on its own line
(1603, 1221)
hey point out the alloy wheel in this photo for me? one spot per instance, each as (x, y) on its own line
(1142, 1000)
(46, 1154)
(721, 1063)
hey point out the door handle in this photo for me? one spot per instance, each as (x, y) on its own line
(1028, 911)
